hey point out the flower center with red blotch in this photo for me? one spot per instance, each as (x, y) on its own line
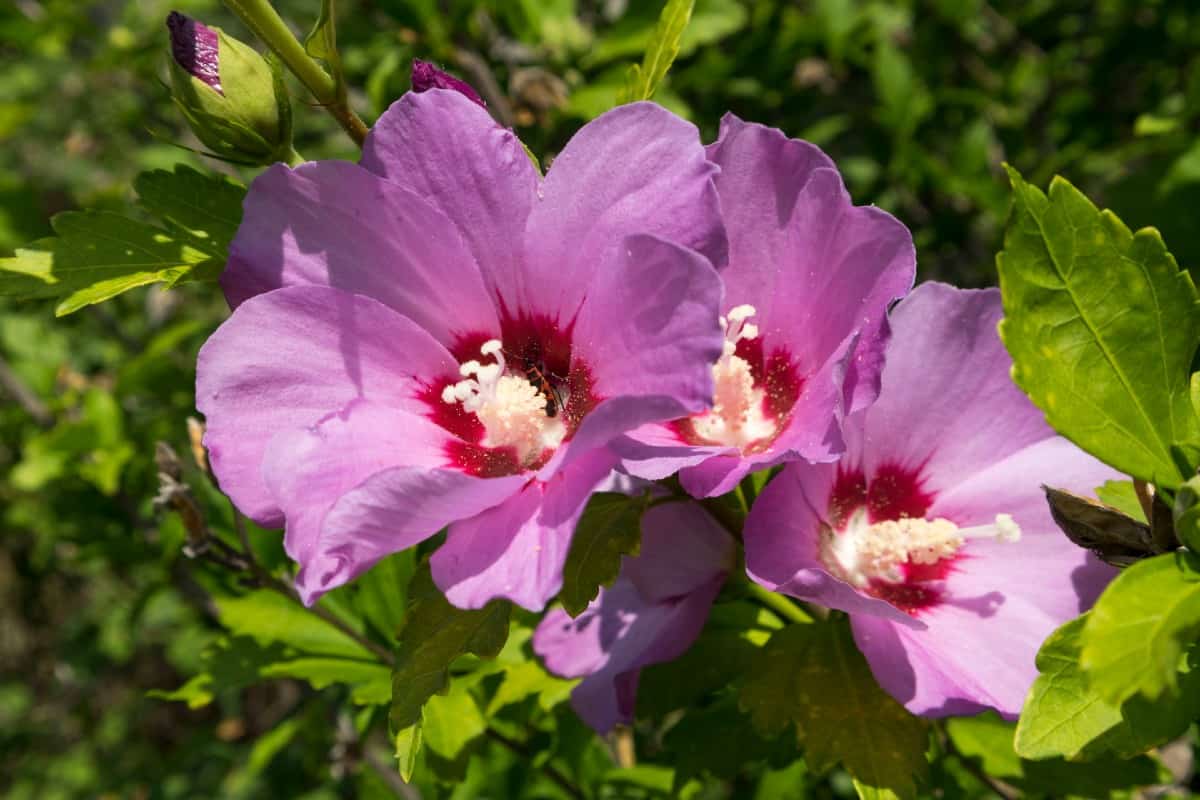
(753, 396)
(871, 542)
(518, 398)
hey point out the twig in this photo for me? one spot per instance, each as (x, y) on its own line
(552, 772)
(25, 397)
(261, 18)
(623, 748)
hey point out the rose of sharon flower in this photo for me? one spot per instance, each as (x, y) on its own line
(809, 281)
(652, 613)
(438, 336)
(933, 531)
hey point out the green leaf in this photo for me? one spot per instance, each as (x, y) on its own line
(1102, 326)
(451, 722)
(720, 741)
(643, 79)
(1122, 496)
(408, 746)
(381, 594)
(203, 210)
(434, 634)
(814, 676)
(321, 43)
(98, 255)
(608, 529)
(526, 679)
(988, 740)
(1186, 514)
(1136, 633)
(268, 617)
(1064, 717)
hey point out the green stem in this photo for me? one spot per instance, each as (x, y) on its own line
(262, 18)
(785, 608)
(294, 159)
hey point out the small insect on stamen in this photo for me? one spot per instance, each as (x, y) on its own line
(536, 374)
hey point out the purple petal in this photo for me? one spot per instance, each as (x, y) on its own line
(636, 169)
(978, 648)
(390, 511)
(194, 46)
(652, 613)
(782, 534)
(517, 550)
(447, 149)
(648, 332)
(286, 359)
(816, 267)
(683, 548)
(426, 76)
(332, 223)
(308, 470)
(948, 408)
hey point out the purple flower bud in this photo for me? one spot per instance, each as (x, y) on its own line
(194, 47)
(426, 76)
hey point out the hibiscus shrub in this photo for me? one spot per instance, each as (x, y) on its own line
(641, 468)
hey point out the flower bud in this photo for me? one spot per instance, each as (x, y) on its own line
(233, 98)
(426, 76)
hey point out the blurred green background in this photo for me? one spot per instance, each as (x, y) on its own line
(918, 102)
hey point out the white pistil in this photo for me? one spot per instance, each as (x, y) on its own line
(512, 410)
(736, 418)
(866, 551)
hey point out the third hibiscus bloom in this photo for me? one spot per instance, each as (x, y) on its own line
(439, 336)
(807, 288)
(932, 531)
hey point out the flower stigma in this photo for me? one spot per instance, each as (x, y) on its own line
(736, 418)
(511, 408)
(865, 554)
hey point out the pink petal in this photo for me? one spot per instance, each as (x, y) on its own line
(286, 359)
(332, 223)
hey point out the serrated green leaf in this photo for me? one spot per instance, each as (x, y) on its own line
(408, 746)
(381, 595)
(1121, 496)
(1138, 629)
(434, 634)
(814, 676)
(989, 740)
(202, 209)
(661, 52)
(609, 529)
(720, 741)
(98, 255)
(451, 722)
(771, 689)
(1064, 717)
(321, 43)
(1102, 326)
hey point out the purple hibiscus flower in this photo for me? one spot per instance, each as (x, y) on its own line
(439, 336)
(933, 531)
(807, 288)
(652, 613)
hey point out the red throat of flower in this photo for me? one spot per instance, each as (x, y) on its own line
(878, 537)
(518, 397)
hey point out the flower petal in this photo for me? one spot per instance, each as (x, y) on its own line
(682, 549)
(287, 358)
(816, 267)
(948, 408)
(978, 648)
(309, 469)
(332, 223)
(517, 550)
(390, 511)
(636, 169)
(648, 333)
(448, 150)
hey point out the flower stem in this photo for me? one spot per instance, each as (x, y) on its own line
(294, 159)
(785, 608)
(262, 18)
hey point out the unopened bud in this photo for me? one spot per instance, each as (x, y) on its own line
(233, 98)
(426, 76)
